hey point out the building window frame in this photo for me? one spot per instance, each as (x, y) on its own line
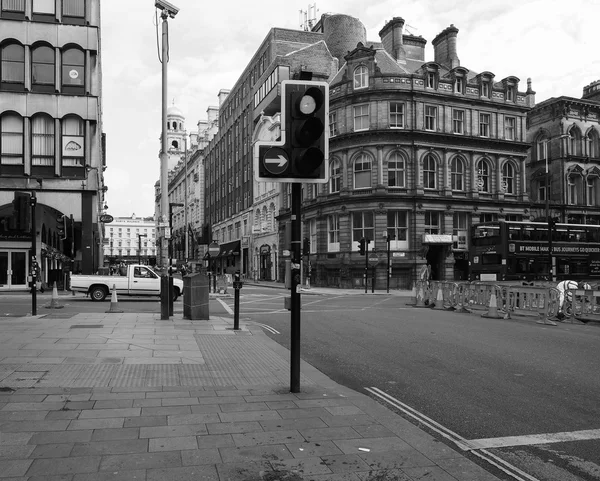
(483, 176)
(11, 140)
(458, 121)
(396, 115)
(333, 233)
(43, 141)
(362, 169)
(457, 174)
(360, 114)
(430, 172)
(73, 71)
(398, 229)
(430, 114)
(73, 141)
(485, 120)
(510, 128)
(43, 69)
(361, 77)
(431, 222)
(431, 80)
(508, 178)
(335, 176)
(396, 167)
(12, 66)
(73, 12)
(363, 226)
(333, 125)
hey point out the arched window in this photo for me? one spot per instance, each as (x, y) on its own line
(42, 140)
(42, 69)
(574, 142)
(335, 177)
(508, 178)
(264, 220)
(541, 147)
(257, 220)
(362, 172)
(591, 183)
(457, 174)
(12, 67)
(593, 144)
(396, 170)
(429, 172)
(483, 176)
(73, 142)
(361, 77)
(73, 71)
(11, 139)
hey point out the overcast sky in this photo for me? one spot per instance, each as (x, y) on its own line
(553, 42)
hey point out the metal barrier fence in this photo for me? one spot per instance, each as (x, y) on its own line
(501, 301)
(582, 304)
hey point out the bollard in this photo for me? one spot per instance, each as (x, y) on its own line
(164, 299)
(170, 294)
(237, 285)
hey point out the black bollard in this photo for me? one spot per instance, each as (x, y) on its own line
(164, 298)
(237, 285)
(170, 295)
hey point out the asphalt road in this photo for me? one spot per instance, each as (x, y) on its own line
(480, 378)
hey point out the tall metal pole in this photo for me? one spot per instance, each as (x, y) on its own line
(33, 202)
(389, 267)
(185, 199)
(551, 274)
(296, 251)
(164, 159)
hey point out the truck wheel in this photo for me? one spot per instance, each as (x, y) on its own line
(175, 293)
(98, 293)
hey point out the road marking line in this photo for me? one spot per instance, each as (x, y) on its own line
(266, 327)
(458, 440)
(225, 306)
(526, 440)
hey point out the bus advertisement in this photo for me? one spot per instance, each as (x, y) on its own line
(507, 250)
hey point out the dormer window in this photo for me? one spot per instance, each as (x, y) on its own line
(485, 89)
(459, 85)
(510, 93)
(361, 77)
(431, 80)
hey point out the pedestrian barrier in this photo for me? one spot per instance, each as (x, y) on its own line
(114, 306)
(461, 299)
(450, 292)
(541, 302)
(492, 312)
(437, 299)
(423, 294)
(584, 305)
(54, 301)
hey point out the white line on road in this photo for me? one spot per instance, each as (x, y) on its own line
(225, 306)
(268, 328)
(531, 439)
(461, 442)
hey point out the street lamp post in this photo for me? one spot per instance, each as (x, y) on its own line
(140, 246)
(171, 205)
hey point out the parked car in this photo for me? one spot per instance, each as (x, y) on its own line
(139, 280)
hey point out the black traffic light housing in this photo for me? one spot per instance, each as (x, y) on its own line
(61, 226)
(302, 152)
(22, 211)
(361, 246)
(306, 246)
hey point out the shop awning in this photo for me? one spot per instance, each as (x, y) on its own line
(230, 249)
(437, 239)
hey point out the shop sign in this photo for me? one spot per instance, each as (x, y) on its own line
(106, 218)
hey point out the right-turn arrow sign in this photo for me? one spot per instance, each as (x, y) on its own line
(275, 160)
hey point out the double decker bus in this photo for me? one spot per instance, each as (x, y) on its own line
(510, 250)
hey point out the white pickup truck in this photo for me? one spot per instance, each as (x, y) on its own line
(140, 281)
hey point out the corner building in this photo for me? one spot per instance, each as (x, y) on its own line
(51, 139)
(418, 150)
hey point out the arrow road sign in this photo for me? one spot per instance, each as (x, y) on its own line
(275, 160)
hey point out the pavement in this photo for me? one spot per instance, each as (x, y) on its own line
(114, 396)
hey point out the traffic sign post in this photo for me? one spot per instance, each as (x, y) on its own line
(213, 251)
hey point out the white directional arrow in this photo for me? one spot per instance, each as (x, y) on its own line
(280, 160)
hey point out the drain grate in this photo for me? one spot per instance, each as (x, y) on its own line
(86, 326)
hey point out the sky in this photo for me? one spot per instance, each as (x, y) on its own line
(553, 42)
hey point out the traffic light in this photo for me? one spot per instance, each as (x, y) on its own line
(306, 246)
(61, 226)
(22, 211)
(362, 246)
(302, 153)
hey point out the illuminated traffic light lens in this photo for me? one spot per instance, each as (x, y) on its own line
(307, 105)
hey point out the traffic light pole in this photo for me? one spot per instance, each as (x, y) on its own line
(295, 294)
(366, 263)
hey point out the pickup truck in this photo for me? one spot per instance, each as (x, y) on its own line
(140, 281)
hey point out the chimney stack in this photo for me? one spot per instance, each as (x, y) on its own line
(444, 47)
(391, 38)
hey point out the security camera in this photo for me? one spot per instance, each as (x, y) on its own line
(168, 8)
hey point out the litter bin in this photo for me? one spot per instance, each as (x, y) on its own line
(195, 297)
